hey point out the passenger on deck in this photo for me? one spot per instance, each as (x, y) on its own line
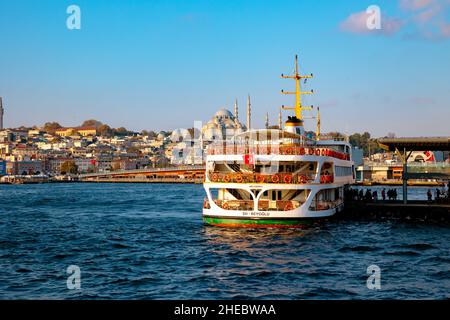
(429, 195)
(383, 194)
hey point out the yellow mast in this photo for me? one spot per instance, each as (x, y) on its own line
(298, 104)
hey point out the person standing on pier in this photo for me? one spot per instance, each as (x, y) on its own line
(429, 195)
(375, 195)
(383, 194)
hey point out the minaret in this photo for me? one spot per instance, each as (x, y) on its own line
(1, 114)
(249, 114)
(267, 120)
(236, 114)
(280, 120)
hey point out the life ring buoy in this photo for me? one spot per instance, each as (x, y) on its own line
(226, 178)
(214, 177)
(260, 178)
(303, 179)
(317, 152)
(239, 178)
(323, 151)
(302, 151)
(311, 151)
(275, 178)
(225, 206)
(288, 206)
(287, 178)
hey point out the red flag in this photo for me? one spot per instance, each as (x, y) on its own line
(248, 159)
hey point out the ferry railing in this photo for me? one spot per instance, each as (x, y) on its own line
(278, 205)
(278, 178)
(275, 150)
(245, 205)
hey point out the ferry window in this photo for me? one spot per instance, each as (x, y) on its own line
(266, 193)
(279, 195)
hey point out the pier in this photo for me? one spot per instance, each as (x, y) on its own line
(413, 210)
(184, 174)
(403, 147)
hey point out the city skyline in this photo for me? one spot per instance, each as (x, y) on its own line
(162, 66)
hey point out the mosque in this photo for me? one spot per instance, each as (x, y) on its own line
(224, 124)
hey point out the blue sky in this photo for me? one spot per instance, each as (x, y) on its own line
(162, 65)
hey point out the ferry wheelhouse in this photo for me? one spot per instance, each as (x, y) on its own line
(277, 177)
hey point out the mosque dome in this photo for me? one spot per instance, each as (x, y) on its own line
(224, 113)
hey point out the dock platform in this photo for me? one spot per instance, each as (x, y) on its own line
(414, 209)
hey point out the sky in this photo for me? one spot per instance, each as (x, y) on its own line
(161, 65)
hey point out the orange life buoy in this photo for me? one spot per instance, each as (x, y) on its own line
(239, 178)
(260, 178)
(287, 178)
(311, 151)
(303, 179)
(302, 151)
(323, 152)
(214, 177)
(288, 206)
(275, 178)
(226, 178)
(317, 152)
(225, 206)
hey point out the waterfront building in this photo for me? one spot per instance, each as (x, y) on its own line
(24, 167)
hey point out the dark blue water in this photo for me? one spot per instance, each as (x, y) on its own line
(147, 241)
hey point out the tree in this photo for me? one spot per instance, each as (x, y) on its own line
(51, 127)
(104, 130)
(69, 167)
(92, 123)
(121, 131)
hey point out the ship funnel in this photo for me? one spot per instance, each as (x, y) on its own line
(294, 125)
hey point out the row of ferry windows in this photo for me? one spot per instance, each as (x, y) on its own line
(342, 171)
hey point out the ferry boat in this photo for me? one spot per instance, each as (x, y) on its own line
(277, 177)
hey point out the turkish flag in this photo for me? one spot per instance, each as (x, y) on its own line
(248, 159)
